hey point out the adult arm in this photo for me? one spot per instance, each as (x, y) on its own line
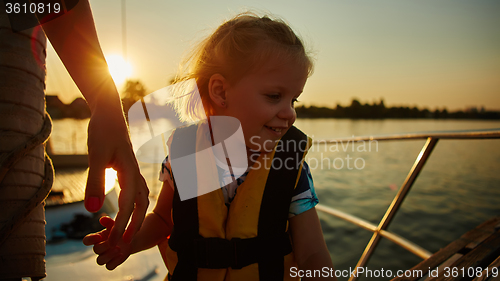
(74, 38)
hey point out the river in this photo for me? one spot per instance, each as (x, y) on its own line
(457, 189)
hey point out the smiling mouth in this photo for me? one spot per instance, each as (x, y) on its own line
(277, 130)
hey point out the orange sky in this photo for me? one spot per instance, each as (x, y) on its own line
(431, 54)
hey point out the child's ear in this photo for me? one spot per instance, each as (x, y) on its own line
(217, 90)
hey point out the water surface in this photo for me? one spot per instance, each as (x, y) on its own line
(457, 189)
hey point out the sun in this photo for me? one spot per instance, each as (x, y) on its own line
(119, 69)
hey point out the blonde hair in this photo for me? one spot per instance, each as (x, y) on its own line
(237, 47)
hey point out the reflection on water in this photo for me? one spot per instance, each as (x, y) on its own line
(69, 136)
(457, 189)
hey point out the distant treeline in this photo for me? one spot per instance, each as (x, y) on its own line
(134, 90)
(78, 109)
(379, 111)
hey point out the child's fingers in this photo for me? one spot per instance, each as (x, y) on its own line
(96, 238)
(107, 222)
(92, 239)
(112, 264)
(104, 234)
(103, 247)
(110, 254)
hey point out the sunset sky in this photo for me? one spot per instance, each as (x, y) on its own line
(432, 54)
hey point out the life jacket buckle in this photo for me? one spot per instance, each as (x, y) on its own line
(216, 252)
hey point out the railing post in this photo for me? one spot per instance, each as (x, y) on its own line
(396, 203)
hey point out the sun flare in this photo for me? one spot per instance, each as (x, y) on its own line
(110, 179)
(119, 68)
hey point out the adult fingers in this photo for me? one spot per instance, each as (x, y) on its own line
(126, 180)
(133, 198)
(126, 207)
(141, 208)
(94, 190)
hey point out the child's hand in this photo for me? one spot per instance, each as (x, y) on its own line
(111, 256)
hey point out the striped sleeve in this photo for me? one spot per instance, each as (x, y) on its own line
(165, 172)
(166, 168)
(304, 197)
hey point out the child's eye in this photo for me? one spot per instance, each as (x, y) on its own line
(274, 96)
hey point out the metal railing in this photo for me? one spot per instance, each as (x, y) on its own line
(380, 230)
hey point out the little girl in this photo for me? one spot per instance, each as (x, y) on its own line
(263, 225)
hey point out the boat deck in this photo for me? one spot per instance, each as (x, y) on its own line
(68, 187)
(474, 256)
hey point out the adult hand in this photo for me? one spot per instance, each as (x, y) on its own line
(109, 146)
(111, 256)
(74, 38)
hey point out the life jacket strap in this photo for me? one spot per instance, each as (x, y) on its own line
(236, 253)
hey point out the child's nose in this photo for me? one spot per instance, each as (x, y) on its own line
(287, 113)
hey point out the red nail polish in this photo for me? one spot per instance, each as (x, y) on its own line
(93, 204)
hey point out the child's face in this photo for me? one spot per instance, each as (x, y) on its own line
(263, 102)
